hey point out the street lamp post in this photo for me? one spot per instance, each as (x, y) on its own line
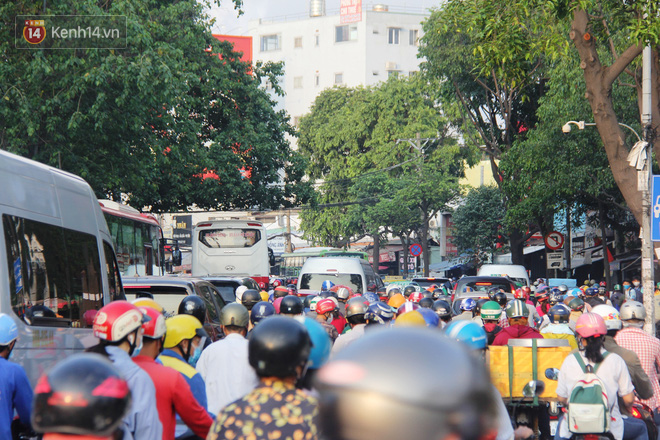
(641, 157)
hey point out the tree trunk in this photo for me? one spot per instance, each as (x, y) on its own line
(376, 252)
(424, 238)
(517, 243)
(603, 237)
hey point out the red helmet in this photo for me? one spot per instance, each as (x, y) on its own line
(324, 306)
(155, 328)
(526, 291)
(117, 320)
(406, 307)
(590, 324)
(518, 294)
(415, 297)
(277, 283)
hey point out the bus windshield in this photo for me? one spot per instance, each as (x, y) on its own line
(313, 281)
(293, 262)
(136, 239)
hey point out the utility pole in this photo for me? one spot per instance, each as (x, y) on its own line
(289, 247)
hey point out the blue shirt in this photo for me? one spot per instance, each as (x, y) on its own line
(171, 359)
(141, 422)
(15, 393)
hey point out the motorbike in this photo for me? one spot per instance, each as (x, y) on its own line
(524, 412)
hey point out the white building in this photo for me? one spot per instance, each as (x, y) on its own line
(320, 51)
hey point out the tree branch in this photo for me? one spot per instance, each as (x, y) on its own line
(621, 63)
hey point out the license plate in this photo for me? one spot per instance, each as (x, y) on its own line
(553, 427)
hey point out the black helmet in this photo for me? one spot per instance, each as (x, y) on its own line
(427, 294)
(477, 309)
(442, 309)
(408, 290)
(426, 303)
(393, 291)
(307, 301)
(193, 305)
(234, 314)
(250, 298)
(291, 305)
(382, 291)
(358, 396)
(261, 310)
(277, 346)
(82, 395)
(500, 298)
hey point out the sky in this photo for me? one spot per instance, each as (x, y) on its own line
(228, 22)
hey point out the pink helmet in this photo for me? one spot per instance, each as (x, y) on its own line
(277, 303)
(590, 324)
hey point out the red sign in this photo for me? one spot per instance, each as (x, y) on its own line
(350, 11)
(415, 250)
(554, 240)
(34, 31)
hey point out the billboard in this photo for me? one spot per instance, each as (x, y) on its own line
(350, 11)
(182, 230)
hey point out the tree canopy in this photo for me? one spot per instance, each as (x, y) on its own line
(173, 120)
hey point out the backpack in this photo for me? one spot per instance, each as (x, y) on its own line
(588, 410)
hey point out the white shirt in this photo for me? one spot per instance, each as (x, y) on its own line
(613, 372)
(346, 339)
(227, 372)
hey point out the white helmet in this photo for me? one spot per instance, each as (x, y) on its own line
(610, 315)
(239, 293)
(632, 310)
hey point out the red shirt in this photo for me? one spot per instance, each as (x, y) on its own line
(339, 323)
(516, 332)
(173, 395)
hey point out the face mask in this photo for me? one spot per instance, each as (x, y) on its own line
(636, 283)
(138, 347)
(194, 357)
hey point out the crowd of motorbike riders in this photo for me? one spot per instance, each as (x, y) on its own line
(399, 363)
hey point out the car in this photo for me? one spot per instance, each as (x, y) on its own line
(348, 271)
(477, 287)
(169, 291)
(227, 286)
(427, 282)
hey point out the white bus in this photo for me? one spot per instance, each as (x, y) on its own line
(231, 248)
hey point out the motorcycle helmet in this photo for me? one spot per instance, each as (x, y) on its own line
(555, 297)
(181, 328)
(321, 344)
(410, 319)
(250, 298)
(516, 309)
(355, 310)
(408, 290)
(429, 316)
(327, 285)
(426, 303)
(576, 304)
(590, 324)
(396, 301)
(559, 314)
(277, 346)
(442, 309)
(467, 304)
(406, 307)
(155, 327)
(500, 298)
(280, 292)
(324, 306)
(468, 332)
(8, 330)
(632, 310)
(117, 320)
(379, 313)
(261, 310)
(610, 315)
(291, 305)
(415, 297)
(393, 291)
(491, 311)
(148, 302)
(343, 293)
(193, 305)
(371, 297)
(235, 314)
(239, 293)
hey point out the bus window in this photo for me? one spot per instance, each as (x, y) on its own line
(54, 271)
(229, 238)
(114, 279)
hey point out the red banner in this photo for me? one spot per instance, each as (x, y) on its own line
(350, 11)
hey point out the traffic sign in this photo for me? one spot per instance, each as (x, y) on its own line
(554, 240)
(555, 260)
(655, 209)
(415, 250)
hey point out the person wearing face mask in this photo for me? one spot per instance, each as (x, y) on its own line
(13, 380)
(118, 325)
(183, 344)
(635, 292)
(173, 395)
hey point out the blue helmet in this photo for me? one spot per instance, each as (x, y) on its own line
(327, 285)
(371, 297)
(591, 291)
(379, 312)
(432, 320)
(8, 330)
(468, 304)
(559, 314)
(469, 333)
(576, 292)
(321, 343)
(261, 310)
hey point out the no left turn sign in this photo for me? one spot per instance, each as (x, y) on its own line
(554, 240)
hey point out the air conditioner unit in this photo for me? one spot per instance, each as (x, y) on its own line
(390, 65)
(375, 31)
(433, 224)
(374, 73)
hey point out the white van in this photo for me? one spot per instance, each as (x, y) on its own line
(58, 266)
(517, 273)
(355, 273)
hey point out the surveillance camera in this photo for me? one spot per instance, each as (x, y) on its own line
(566, 128)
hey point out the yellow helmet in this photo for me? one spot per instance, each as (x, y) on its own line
(264, 295)
(182, 327)
(147, 302)
(410, 319)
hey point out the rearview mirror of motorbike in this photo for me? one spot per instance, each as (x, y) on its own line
(552, 373)
(534, 388)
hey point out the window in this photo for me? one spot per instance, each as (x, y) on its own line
(313, 281)
(347, 32)
(393, 35)
(297, 82)
(414, 37)
(229, 238)
(339, 78)
(53, 269)
(317, 80)
(317, 40)
(111, 268)
(270, 42)
(297, 42)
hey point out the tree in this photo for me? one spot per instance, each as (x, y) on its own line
(352, 132)
(164, 121)
(485, 55)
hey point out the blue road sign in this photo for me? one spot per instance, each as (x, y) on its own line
(655, 209)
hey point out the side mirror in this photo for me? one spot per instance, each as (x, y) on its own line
(552, 373)
(534, 388)
(176, 257)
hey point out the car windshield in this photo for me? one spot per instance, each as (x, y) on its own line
(313, 281)
(227, 289)
(169, 297)
(483, 286)
(425, 282)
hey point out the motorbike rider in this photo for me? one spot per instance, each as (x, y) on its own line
(591, 298)
(443, 310)
(291, 306)
(577, 307)
(643, 386)
(612, 372)
(516, 312)
(118, 325)
(173, 395)
(490, 315)
(324, 309)
(378, 313)
(102, 399)
(542, 296)
(261, 310)
(602, 294)
(647, 348)
(617, 297)
(355, 311)
(14, 384)
(635, 292)
(367, 404)
(501, 299)
(466, 307)
(278, 350)
(558, 327)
